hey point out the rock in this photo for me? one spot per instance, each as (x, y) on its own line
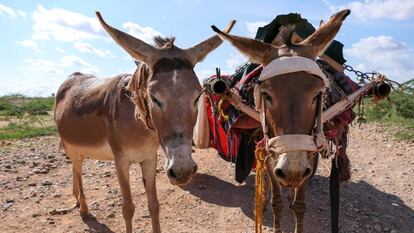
(35, 215)
(33, 193)
(377, 228)
(46, 183)
(169, 190)
(111, 215)
(6, 206)
(31, 184)
(111, 204)
(7, 166)
(393, 231)
(40, 171)
(9, 201)
(59, 211)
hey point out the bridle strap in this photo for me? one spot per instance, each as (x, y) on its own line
(319, 114)
(263, 120)
(287, 65)
(297, 142)
(291, 142)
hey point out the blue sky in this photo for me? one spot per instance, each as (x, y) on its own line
(43, 42)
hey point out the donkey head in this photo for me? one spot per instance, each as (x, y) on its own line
(167, 77)
(288, 94)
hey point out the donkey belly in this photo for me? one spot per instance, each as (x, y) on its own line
(134, 153)
(96, 152)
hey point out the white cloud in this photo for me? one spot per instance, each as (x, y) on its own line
(30, 86)
(30, 44)
(204, 73)
(141, 32)
(253, 26)
(60, 50)
(22, 14)
(88, 48)
(63, 25)
(59, 66)
(235, 60)
(384, 54)
(5, 10)
(375, 9)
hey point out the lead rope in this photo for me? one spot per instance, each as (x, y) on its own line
(260, 153)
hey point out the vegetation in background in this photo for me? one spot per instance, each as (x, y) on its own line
(22, 117)
(18, 105)
(399, 112)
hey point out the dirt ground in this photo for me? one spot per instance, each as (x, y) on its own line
(35, 188)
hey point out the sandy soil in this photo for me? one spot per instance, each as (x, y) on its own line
(35, 184)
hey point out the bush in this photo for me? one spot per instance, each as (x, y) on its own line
(404, 104)
(401, 105)
(25, 130)
(37, 107)
(18, 105)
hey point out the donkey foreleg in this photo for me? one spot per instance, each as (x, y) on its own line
(277, 202)
(128, 208)
(299, 206)
(148, 168)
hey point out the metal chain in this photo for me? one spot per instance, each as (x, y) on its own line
(361, 76)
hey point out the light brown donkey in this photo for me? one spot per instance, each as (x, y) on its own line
(289, 94)
(127, 117)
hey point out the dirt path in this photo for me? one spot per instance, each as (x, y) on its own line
(35, 180)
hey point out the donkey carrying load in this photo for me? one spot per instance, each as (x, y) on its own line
(290, 96)
(126, 118)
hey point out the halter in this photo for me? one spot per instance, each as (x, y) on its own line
(292, 142)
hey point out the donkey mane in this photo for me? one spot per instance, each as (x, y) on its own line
(284, 37)
(164, 41)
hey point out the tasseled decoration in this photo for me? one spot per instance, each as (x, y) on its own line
(259, 193)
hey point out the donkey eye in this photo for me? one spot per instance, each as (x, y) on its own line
(155, 101)
(267, 97)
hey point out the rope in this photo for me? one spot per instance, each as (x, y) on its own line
(222, 115)
(260, 154)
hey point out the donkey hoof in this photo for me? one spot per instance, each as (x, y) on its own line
(83, 211)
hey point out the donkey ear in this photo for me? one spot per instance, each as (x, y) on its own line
(321, 38)
(198, 52)
(137, 48)
(255, 50)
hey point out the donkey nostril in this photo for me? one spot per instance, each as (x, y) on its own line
(280, 174)
(308, 171)
(171, 174)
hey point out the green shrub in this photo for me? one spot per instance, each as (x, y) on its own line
(25, 130)
(404, 103)
(401, 105)
(18, 105)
